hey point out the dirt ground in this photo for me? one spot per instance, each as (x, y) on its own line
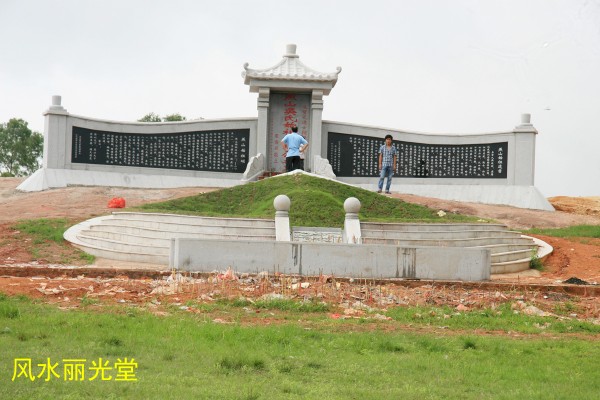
(571, 259)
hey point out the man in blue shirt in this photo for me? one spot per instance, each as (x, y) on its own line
(387, 163)
(293, 144)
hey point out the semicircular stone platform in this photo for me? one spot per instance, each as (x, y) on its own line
(146, 237)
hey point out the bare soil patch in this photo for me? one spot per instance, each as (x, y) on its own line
(569, 211)
(577, 205)
(76, 202)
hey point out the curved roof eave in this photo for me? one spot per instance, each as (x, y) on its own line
(289, 68)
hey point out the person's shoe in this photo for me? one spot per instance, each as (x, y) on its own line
(379, 191)
(388, 192)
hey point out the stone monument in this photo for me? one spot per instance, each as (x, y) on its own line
(289, 94)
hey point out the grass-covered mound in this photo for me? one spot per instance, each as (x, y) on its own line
(314, 202)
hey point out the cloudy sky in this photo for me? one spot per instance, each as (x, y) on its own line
(431, 66)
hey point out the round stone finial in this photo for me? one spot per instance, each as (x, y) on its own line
(352, 205)
(56, 100)
(282, 203)
(525, 118)
(290, 50)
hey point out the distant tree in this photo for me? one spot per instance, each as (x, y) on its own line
(150, 117)
(20, 148)
(173, 117)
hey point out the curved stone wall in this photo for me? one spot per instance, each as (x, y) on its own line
(86, 151)
(491, 167)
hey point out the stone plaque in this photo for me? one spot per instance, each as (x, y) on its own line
(285, 111)
(353, 155)
(217, 150)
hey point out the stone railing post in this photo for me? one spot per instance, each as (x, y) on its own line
(316, 122)
(523, 170)
(282, 218)
(352, 223)
(262, 124)
(55, 135)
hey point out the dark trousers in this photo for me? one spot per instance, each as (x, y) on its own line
(292, 163)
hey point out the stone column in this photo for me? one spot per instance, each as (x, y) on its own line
(351, 223)
(282, 218)
(55, 135)
(262, 127)
(524, 152)
(316, 125)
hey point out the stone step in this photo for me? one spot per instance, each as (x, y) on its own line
(513, 255)
(179, 228)
(124, 237)
(387, 226)
(459, 234)
(502, 248)
(114, 245)
(511, 266)
(471, 242)
(123, 255)
(173, 229)
(194, 219)
(155, 237)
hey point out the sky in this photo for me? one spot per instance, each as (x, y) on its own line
(428, 66)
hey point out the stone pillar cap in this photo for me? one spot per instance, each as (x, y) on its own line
(282, 203)
(290, 51)
(526, 125)
(352, 205)
(56, 107)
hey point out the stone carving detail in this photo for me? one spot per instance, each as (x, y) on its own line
(316, 236)
(255, 167)
(322, 167)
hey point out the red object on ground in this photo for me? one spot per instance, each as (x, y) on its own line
(116, 202)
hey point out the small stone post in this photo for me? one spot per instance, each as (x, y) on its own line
(351, 223)
(282, 218)
(56, 103)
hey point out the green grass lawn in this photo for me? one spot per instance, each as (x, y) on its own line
(184, 355)
(577, 231)
(314, 202)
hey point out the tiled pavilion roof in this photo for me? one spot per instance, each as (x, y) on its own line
(290, 68)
